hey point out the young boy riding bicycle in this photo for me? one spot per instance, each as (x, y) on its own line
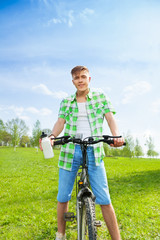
(83, 113)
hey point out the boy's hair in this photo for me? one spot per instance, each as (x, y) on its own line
(78, 69)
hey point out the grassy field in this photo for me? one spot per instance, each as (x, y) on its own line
(28, 190)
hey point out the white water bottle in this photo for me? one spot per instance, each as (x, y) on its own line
(46, 145)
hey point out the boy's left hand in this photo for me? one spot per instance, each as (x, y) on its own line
(118, 142)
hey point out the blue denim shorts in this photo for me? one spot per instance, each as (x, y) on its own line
(97, 178)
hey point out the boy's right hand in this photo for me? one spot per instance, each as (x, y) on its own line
(40, 142)
(52, 140)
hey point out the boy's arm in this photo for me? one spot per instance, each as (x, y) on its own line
(58, 127)
(114, 129)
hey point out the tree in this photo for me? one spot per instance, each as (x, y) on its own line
(138, 149)
(36, 133)
(17, 128)
(150, 144)
(128, 150)
(107, 149)
(24, 140)
(6, 138)
(2, 128)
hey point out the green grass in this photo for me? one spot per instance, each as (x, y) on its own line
(28, 190)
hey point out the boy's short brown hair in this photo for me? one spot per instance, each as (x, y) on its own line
(78, 69)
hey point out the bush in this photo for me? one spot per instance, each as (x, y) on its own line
(23, 145)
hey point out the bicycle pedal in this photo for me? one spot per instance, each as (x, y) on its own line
(69, 217)
(97, 223)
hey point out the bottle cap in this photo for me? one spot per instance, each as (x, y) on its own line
(43, 135)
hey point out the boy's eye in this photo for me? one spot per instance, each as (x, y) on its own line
(83, 76)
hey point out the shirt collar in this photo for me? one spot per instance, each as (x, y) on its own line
(73, 97)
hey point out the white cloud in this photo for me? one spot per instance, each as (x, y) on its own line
(134, 90)
(17, 110)
(45, 112)
(32, 110)
(25, 118)
(70, 17)
(97, 89)
(22, 113)
(67, 19)
(86, 13)
(156, 106)
(60, 94)
(55, 21)
(43, 89)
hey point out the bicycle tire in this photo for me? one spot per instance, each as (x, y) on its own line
(87, 220)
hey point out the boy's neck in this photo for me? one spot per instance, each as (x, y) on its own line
(81, 95)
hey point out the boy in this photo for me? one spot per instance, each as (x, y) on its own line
(83, 113)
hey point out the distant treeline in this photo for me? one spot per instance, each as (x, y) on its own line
(15, 133)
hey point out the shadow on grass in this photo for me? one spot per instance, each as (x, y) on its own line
(145, 181)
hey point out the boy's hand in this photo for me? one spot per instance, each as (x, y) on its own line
(118, 142)
(52, 140)
(40, 142)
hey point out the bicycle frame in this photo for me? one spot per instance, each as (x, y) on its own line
(83, 183)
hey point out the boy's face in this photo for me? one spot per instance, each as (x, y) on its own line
(81, 80)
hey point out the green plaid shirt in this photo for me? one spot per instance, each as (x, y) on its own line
(96, 105)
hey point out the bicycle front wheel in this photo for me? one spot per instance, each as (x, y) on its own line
(87, 228)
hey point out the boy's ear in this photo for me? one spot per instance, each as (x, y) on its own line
(89, 79)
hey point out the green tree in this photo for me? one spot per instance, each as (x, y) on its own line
(16, 128)
(150, 144)
(6, 138)
(155, 154)
(128, 150)
(107, 149)
(138, 149)
(2, 128)
(24, 140)
(116, 152)
(36, 133)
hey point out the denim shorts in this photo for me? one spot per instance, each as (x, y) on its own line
(97, 178)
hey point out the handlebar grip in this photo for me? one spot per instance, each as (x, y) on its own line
(109, 141)
(59, 142)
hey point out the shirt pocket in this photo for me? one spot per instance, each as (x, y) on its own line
(71, 115)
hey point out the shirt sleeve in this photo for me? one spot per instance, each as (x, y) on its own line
(62, 109)
(108, 107)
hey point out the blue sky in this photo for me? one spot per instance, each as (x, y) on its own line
(119, 41)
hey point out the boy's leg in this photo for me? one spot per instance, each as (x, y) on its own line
(61, 209)
(99, 184)
(65, 187)
(111, 221)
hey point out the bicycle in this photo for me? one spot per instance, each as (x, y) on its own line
(85, 199)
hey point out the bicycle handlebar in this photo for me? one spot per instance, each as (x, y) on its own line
(87, 141)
